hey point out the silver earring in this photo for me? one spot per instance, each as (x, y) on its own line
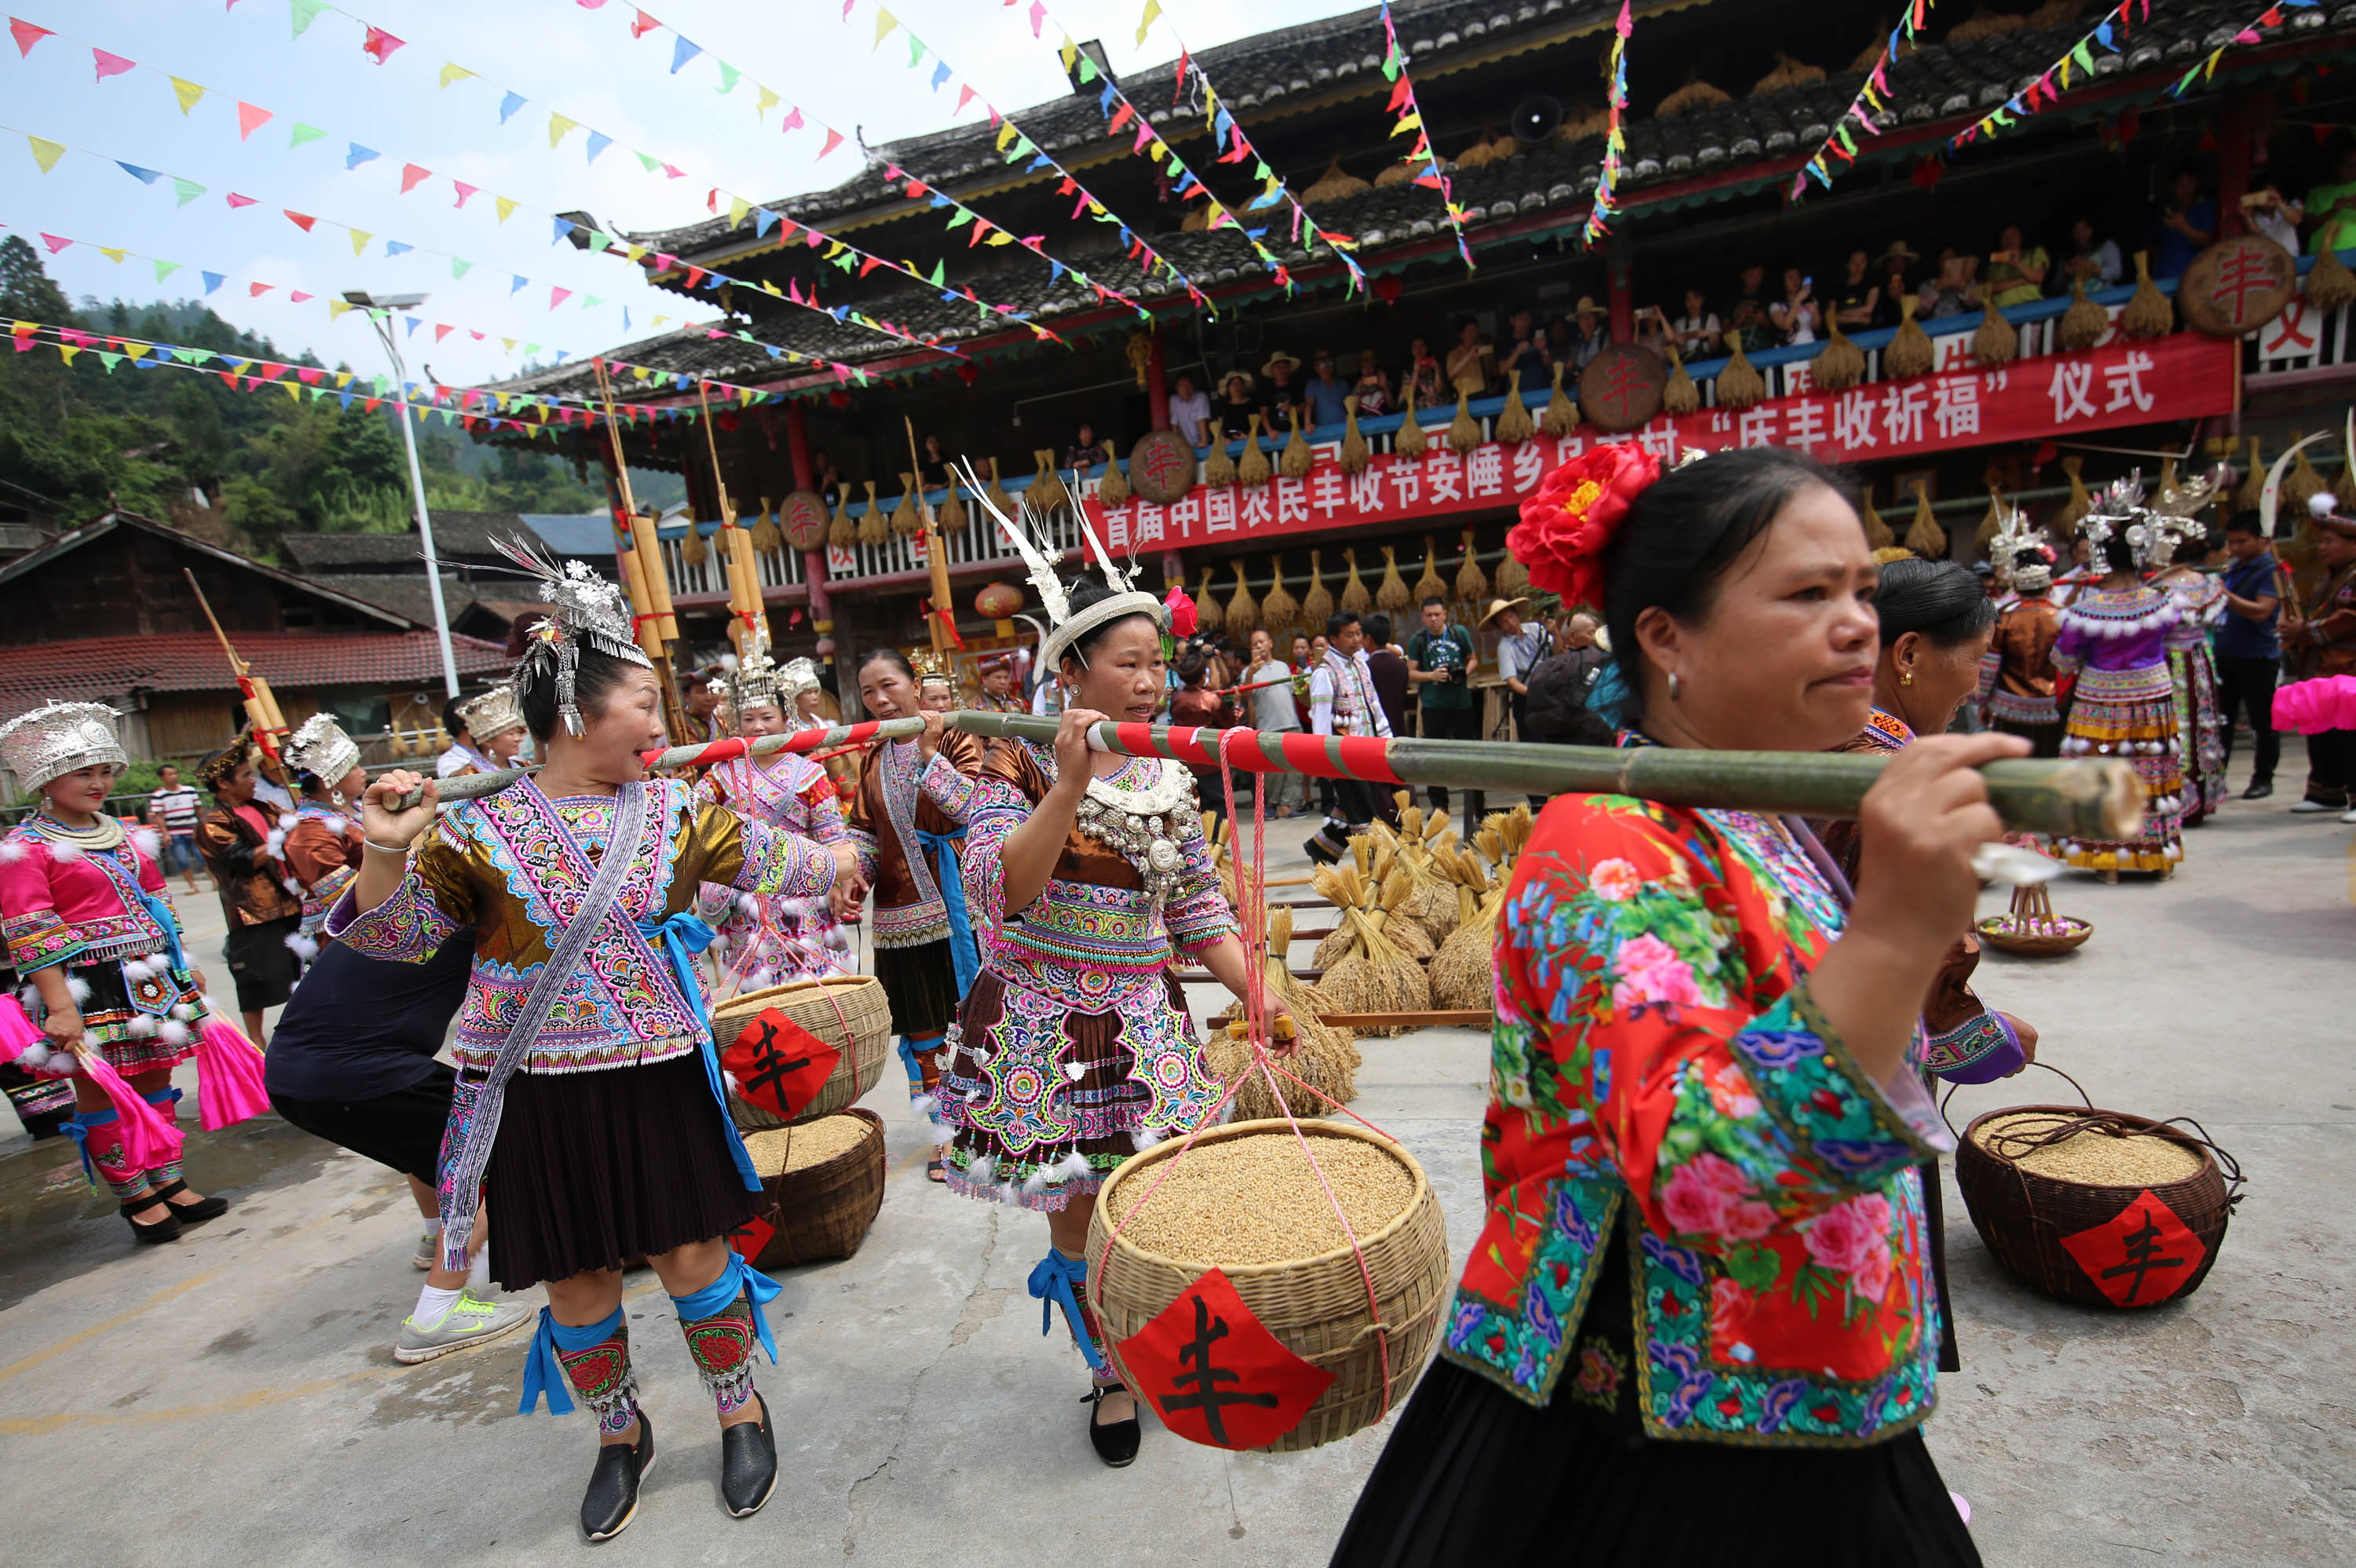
(1674, 686)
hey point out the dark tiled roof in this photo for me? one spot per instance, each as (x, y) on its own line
(1938, 83)
(93, 669)
(458, 535)
(405, 593)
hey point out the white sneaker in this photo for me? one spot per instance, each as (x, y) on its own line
(469, 1321)
(2349, 815)
(2312, 808)
(429, 1250)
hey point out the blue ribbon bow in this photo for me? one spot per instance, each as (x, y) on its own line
(543, 1373)
(1053, 1284)
(77, 1130)
(965, 953)
(758, 1289)
(680, 938)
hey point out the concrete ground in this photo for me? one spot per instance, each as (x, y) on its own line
(233, 1399)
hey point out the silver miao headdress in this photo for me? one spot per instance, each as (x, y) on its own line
(493, 713)
(2152, 531)
(1066, 625)
(2018, 552)
(797, 676)
(319, 747)
(582, 606)
(756, 681)
(59, 738)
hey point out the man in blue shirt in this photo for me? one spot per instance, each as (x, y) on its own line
(1327, 392)
(2248, 651)
(2188, 226)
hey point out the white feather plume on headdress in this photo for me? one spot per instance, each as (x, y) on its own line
(1039, 556)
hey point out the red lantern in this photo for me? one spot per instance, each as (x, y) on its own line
(1000, 601)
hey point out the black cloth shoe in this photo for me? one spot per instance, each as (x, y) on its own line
(748, 1465)
(1115, 1440)
(2259, 789)
(165, 1229)
(612, 1499)
(195, 1213)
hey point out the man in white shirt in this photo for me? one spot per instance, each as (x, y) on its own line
(462, 756)
(1190, 410)
(1520, 645)
(1341, 702)
(1272, 712)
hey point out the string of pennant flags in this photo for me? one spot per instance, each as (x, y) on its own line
(1015, 146)
(1408, 116)
(1840, 141)
(741, 209)
(1193, 80)
(1615, 138)
(251, 117)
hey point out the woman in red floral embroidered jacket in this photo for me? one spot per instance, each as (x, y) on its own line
(1698, 1320)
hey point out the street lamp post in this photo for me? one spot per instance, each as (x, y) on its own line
(380, 313)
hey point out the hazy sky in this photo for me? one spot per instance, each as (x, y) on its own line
(574, 58)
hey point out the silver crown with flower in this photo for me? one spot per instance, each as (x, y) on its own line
(583, 607)
(2018, 551)
(493, 713)
(2152, 531)
(319, 747)
(1040, 554)
(59, 738)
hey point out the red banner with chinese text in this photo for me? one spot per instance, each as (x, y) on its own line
(2183, 376)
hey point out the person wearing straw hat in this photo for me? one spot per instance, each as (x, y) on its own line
(1089, 875)
(1894, 264)
(1236, 402)
(89, 923)
(1694, 1326)
(1522, 647)
(1280, 405)
(590, 1115)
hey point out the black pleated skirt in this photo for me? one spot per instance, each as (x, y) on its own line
(593, 1168)
(921, 985)
(1472, 1476)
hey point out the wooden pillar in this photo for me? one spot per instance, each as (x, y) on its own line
(806, 478)
(1157, 385)
(1620, 294)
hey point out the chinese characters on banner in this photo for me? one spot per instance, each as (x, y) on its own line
(2183, 376)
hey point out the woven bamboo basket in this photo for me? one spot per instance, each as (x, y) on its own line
(2024, 1215)
(849, 1013)
(823, 1211)
(1315, 1306)
(2032, 930)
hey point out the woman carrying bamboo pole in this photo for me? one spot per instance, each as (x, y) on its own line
(1699, 1315)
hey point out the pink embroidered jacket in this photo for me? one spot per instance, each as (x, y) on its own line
(60, 906)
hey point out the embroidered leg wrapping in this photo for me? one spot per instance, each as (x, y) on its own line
(600, 1373)
(721, 1345)
(922, 1057)
(1061, 1281)
(165, 1100)
(103, 1157)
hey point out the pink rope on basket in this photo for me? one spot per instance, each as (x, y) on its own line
(1252, 896)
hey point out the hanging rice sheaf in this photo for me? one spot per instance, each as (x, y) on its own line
(996, 494)
(1279, 612)
(1909, 352)
(1679, 395)
(1998, 341)
(906, 520)
(1788, 72)
(1354, 454)
(2148, 314)
(1464, 433)
(1431, 585)
(1391, 592)
(1561, 416)
(1924, 536)
(766, 537)
(1841, 363)
(1739, 384)
(1112, 490)
(1876, 532)
(2329, 283)
(1208, 616)
(2085, 323)
(1514, 426)
(842, 530)
(1471, 583)
(875, 522)
(1048, 491)
(1410, 441)
(1243, 611)
(1355, 600)
(1694, 95)
(1254, 468)
(1297, 458)
(1333, 185)
(692, 550)
(1218, 468)
(1318, 603)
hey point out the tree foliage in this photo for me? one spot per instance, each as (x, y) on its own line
(241, 467)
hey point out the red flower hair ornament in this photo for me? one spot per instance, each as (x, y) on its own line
(1567, 525)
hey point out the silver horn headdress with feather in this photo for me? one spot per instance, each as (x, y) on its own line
(583, 607)
(1066, 625)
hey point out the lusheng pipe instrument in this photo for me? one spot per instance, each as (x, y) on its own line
(2080, 799)
(261, 707)
(474, 786)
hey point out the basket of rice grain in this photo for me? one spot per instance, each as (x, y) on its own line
(1241, 1211)
(846, 1015)
(2099, 1207)
(821, 1185)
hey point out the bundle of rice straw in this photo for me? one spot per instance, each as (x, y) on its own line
(1318, 603)
(996, 494)
(1410, 441)
(1998, 341)
(875, 522)
(1333, 185)
(1463, 972)
(1679, 394)
(692, 550)
(765, 534)
(1514, 425)
(1208, 616)
(1254, 467)
(1243, 611)
(907, 518)
(1374, 974)
(1464, 433)
(2300, 486)
(1694, 95)
(1112, 490)
(1354, 454)
(1840, 365)
(1355, 600)
(2085, 323)
(1297, 458)
(2148, 314)
(1740, 385)
(1324, 1056)
(1396, 174)
(1924, 536)
(1391, 592)
(1991, 521)
(842, 531)
(1048, 492)
(2245, 499)
(1561, 416)
(1471, 583)
(1423, 839)
(2329, 283)
(1279, 612)
(954, 517)
(1909, 352)
(2063, 524)
(2055, 15)
(1481, 154)
(1877, 532)
(1788, 72)
(1513, 577)
(1582, 121)
(1218, 468)
(1431, 585)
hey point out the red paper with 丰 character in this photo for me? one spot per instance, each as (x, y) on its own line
(779, 1065)
(2141, 1255)
(748, 1240)
(1214, 1373)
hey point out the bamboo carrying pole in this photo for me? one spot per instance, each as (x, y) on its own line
(260, 705)
(2082, 798)
(474, 786)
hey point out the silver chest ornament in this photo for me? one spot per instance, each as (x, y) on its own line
(1148, 826)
